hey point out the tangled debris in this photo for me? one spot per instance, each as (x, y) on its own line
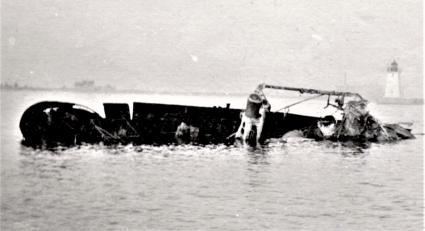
(357, 124)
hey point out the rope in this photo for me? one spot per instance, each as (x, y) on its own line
(298, 102)
(103, 132)
(384, 130)
(131, 127)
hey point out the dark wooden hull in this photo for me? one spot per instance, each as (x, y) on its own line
(59, 123)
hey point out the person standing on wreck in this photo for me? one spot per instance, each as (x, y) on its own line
(254, 115)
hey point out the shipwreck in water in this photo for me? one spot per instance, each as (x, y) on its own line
(50, 123)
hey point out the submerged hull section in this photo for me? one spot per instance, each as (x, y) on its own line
(59, 123)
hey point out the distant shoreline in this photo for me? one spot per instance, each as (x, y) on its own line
(401, 101)
(115, 91)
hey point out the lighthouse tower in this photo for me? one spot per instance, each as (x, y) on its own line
(392, 87)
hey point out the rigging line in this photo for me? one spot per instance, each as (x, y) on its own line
(290, 105)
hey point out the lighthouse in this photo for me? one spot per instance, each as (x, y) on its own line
(392, 86)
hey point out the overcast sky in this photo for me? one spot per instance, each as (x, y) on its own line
(211, 46)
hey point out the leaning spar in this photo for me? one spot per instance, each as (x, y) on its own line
(314, 91)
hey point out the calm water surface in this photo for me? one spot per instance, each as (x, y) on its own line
(292, 185)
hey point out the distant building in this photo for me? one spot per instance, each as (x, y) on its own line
(392, 94)
(90, 85)
(392, 84)
(85, 84)
(11, 86)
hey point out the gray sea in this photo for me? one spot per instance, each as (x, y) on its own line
(291, 184)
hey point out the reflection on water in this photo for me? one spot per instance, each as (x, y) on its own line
(288, 184)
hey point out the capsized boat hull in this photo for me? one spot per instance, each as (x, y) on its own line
(52, 123)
